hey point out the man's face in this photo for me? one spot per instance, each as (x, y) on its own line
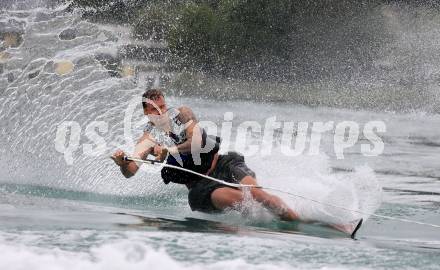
(156, 107)
(156, 111)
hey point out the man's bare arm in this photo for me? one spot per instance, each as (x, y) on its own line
(143, 148)
(192, 129)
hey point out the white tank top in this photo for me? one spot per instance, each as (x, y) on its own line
(176, 135)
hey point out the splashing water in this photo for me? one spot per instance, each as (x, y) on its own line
(311, 179)
(60, 214)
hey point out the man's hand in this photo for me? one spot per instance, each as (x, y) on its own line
(118, 158)
(160, 152)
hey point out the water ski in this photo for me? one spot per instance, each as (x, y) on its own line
(358, 226)
(350, 228)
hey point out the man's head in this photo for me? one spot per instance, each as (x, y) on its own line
(153, 102)
(155, 108)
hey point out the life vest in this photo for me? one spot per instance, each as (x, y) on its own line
(176, 136)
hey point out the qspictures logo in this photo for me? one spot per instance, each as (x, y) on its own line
(293, 138)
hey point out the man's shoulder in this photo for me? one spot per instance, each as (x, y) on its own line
(184, 109)
(186, 114)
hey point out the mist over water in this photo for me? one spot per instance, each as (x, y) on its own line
(367, 55)
(56, 67)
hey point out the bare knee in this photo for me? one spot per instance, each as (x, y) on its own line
(248, 180)
(225, 197)
(257, 193)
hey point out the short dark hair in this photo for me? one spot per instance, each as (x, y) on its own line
(151, 94)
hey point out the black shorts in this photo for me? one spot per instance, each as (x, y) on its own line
(230, 168)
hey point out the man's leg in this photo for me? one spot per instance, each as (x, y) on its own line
(271, 202)
(225, 197)
(229, 197)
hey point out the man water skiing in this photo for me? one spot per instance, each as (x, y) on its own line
(174, 136)
(176, 132)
